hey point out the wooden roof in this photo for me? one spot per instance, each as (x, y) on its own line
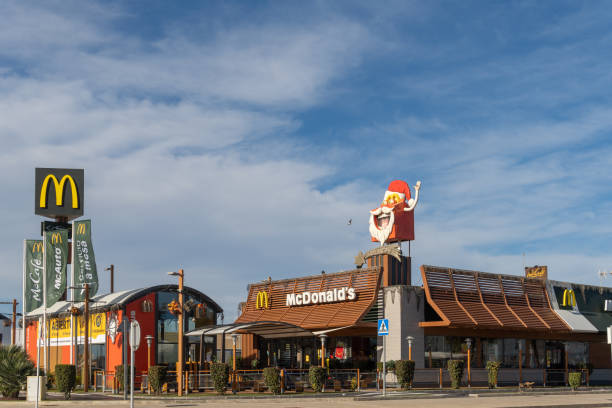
(483, 300)
(365, 281)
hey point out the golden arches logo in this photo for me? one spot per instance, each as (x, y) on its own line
(56, 238)
(262, 301)
(37, 247)
(59, 191)
(569, 298)
(81, 229)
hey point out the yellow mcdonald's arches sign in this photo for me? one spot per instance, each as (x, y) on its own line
(56, 238)
(59, 191)
(569, 298)
(262, 301)
(37, 247)
(81, 229)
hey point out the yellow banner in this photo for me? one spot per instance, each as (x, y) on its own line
(59, 328)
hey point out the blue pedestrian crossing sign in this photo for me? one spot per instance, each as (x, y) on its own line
(383, 327)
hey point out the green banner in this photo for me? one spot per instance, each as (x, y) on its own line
(56, 257)
(84, 263)
(33, 269)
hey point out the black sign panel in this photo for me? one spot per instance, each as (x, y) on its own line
(59, 193)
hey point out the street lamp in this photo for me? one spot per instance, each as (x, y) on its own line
(234, 337)
(468, 342)
(179, 364)
(149, 339)
(410, 340)
(323, 337)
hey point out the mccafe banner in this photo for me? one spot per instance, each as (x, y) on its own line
(84, 261)
(33, 270)
(56, 254)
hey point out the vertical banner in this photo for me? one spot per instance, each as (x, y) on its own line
(56, 257)
(33, 270)
(83, 262)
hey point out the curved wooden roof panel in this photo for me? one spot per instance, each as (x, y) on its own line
(473, 299)
(365, 282)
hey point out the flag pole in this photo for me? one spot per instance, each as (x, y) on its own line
(72, 337)
(44, 330)
(23, 298)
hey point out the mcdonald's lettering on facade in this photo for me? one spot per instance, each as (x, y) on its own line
(59, 193)
(262, 301)
(569, 298)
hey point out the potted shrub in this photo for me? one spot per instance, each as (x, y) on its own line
(404, 370)
(157, 377)
(316, 377)
(65, 376)
(220, 376)
(574, 380)
(455, 371)
(272, 379)
(492, 371)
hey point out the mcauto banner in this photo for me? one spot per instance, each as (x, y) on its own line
(84, 261)
(33, 270)
(56, 257)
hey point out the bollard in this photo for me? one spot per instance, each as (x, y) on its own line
(440, 377)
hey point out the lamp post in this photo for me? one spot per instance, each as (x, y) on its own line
(410, 340)
(179, 364)
(149, 339)
(111, 268)
(468, 342)
(234, 337)
(323, 337)
(520, 361)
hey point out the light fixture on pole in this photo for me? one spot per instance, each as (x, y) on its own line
(234, 337)
(179, 364)
(410, 340)
(111, 268)
(323, 337)
(468, 342)
(149, 340)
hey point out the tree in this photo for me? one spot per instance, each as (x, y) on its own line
(14, 370)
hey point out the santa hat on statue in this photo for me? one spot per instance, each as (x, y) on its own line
(397, 192)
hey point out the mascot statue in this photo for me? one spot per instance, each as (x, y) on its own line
(393, 221)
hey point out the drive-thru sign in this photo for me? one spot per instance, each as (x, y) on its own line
(383, 327)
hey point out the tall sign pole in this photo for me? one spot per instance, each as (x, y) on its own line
(86, 341)
(23, 299)
(134, 344)
(383, 330)
(44, 328)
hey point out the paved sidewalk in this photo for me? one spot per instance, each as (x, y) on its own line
(428, 400)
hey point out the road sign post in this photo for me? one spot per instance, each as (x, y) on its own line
(383, 330)
(134, 344)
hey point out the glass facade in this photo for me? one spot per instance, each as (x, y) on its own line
(534, 353)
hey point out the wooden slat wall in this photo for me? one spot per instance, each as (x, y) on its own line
(488, 301)
(327, 315)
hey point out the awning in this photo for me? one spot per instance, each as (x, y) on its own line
(267, 330)
(470, 299)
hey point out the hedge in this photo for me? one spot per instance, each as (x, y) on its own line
(492, 371)
(157, 377)
(220, 376)
(316, 377)
(65, 377)
(272, 379)
(455, 371)
(404, 370)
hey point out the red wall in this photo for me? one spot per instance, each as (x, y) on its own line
(147, 327)
(31, 333)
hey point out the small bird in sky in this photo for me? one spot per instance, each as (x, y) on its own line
(350, 221)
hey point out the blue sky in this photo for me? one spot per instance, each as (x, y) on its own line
(235, 139)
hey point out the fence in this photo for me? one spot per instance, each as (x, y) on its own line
(296, 380)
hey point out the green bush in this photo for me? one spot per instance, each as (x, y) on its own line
(492, 370)
(157, 377)
(404, 370)
(354, 384)
(254, 364)
(272, 379)
(50, 381)
(14, 370)
(574, 380)
(66, 378)
(455, 371)
(220, 376)
(316, 377)
(390, 366)
(119, 376)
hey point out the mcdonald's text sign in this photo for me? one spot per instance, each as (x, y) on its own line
(59, 192)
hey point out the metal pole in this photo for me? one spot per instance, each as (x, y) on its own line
(38, 365)
(44, 328)
(86, 341)
(131, 372)
(179, 368)
(14, 338)
(125, 355)
(23, 298)
(384, 365)
(112, 278)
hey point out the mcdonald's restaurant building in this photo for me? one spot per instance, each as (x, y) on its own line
(106, 340)
(531, 324)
